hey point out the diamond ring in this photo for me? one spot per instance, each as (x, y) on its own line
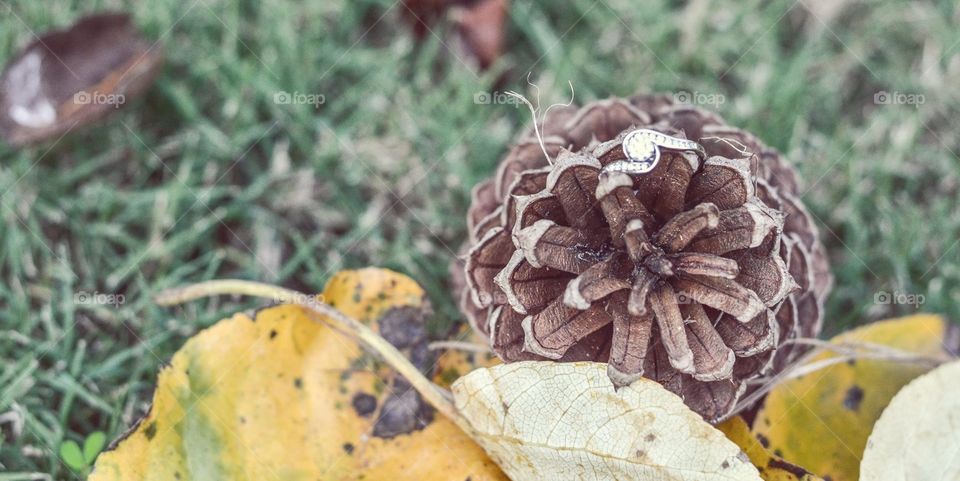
(642, 148)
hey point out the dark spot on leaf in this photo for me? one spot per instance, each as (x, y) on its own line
(650, 438)
(404, 326)
(763, 440)
(725, 465)
(641, 454)
(402, 413)
(852, 362)
(243, 420)
(791, 468)
(176, 474)
(364, 404)
(150, 431)
(348, 448)
(853, 398)
(298, 383)
(778, 453)
(273, 333)
(361, 363)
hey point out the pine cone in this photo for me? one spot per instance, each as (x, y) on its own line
(694, 274)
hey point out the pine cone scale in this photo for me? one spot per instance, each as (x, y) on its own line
(724, 183)
(722, 294)
(631, 340)
(484, 261)
(663, 189)
(546, 244)
(643, 284)
(620, 205)
(529, 289)
(741, 228)
(552, 331)
(698, 264)
(748, 338)
(597, 282)
(713, 360)
(574, 184)
(673, 333)
(766, 275)
(682, 228)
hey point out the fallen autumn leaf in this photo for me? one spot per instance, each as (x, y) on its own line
(281, 396)
(542, 420)
(917, 438)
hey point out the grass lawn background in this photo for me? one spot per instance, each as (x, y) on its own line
(208, 177)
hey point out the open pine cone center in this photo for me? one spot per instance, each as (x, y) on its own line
(662, 268)
(658, 263)
(691, 274)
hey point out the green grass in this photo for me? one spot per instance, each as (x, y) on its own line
(207, 177)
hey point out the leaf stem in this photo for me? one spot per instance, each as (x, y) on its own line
(845, 351)
(435, 395)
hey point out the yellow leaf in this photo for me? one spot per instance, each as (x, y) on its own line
(282, 396)
(821, 420)
(771, 467)
(558, 421)
(916, 437)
